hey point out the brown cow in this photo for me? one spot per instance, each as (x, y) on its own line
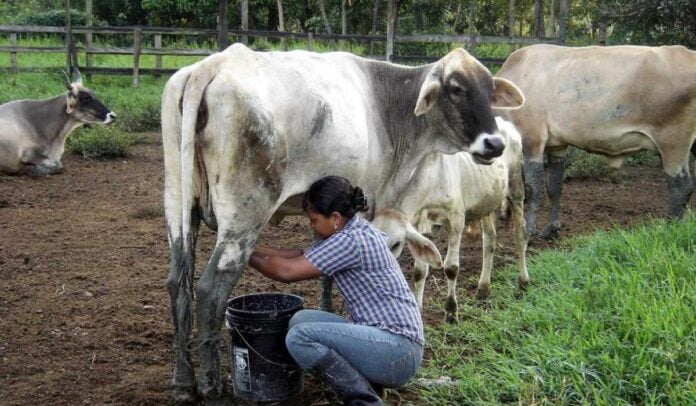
(607, 100)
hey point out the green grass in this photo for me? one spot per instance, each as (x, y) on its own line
(584, 165)
(609, 321)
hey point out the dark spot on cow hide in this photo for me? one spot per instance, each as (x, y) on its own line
(202, 119)
(321, 117)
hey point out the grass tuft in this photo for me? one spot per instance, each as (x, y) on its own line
(100, 142)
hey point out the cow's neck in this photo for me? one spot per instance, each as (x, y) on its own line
(406, 138)
(50, 119)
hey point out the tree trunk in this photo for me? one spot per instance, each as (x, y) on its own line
(344, 24)
(539, 31)
(563, 22)
(281, 24)
(322, 9)
(375, 18)
(602, 33)
(552, 18)
(244, 14)
(392, 15)
(511, 19)
(457, 17)
(471, 17)
(222, 24)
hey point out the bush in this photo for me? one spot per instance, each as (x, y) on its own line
(100, 142)
(583, 165)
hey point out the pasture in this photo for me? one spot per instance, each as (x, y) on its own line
(84, 312)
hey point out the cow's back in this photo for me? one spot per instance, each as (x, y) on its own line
(610, 100)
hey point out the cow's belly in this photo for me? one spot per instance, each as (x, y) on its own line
(611, 141)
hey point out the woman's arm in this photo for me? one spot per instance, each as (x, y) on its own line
(277, 252)
(284, 269)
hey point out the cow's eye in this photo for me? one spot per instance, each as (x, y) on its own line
(457, 91)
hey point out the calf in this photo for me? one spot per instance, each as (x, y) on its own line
(453, 190)
(33, 132)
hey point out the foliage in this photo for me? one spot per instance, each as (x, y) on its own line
(609, 321)
(651, 22)
(584, 165)
(100, 142)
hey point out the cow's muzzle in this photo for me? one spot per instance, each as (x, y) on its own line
(487, 147)
(110, 118)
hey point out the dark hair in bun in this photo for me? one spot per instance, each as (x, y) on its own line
(334, 194)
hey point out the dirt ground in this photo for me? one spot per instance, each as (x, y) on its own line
(83, 258)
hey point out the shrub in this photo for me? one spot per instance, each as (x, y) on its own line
(100, 142)
(583, 165)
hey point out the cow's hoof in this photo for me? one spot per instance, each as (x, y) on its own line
(482, 292)
(523, 284)
(550, 232)
(451, 318)
(185, 395)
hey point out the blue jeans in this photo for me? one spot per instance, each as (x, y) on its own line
(382, 357)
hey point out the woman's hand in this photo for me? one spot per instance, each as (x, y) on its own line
(283, 268)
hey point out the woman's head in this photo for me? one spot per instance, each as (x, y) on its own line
(330, 202)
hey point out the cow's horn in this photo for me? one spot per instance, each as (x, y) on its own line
(68, 85)
(77, 76)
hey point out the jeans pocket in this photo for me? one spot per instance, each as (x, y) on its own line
(404, 367)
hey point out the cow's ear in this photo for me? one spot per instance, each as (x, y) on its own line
(506, 96)
(422, 248)
(429, 91)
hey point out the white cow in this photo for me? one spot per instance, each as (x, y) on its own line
(244, 132)
(452, 190)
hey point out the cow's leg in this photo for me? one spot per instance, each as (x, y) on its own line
(38, 164)
(420, 275)
(675, 162)
(326, 301)
(180, 287)
(679, 189)
(521, 237)
(488, 249)
(554, 187)
(533, 170)
(455, 228)
(234, 245)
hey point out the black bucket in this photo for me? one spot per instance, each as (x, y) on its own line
(262, 368)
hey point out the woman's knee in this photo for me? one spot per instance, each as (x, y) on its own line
(301, 347)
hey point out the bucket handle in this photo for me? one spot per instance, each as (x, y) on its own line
(257, 353)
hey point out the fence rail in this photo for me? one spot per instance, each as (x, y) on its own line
(71, 50)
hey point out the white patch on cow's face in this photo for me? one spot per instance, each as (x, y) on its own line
(483, 145)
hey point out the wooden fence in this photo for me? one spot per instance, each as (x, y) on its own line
(138, 48)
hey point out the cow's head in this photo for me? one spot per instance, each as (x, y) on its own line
(401, 233)
(458, 97)
(83, 105)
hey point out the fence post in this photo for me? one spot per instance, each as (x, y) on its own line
(137, 37)
(158, 58)
(392, 14)
(13, 55)
(310, 41)
(473, 42)
(88, 34)
(68, 38)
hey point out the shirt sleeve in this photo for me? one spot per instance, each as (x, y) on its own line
(337, 253)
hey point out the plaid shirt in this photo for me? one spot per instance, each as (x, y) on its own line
(368, 276)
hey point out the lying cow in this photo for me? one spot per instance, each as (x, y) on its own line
(33, 132)
(452, 190)
(607, 100)
(244, 132)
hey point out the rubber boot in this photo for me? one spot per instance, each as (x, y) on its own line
(352, 388)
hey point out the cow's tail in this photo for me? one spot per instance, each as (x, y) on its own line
(193, 102)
